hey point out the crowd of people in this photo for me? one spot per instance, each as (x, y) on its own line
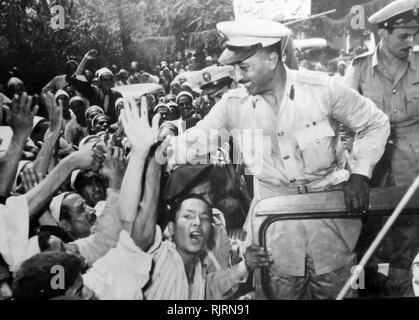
(126, 196)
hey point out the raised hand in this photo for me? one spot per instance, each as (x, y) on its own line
(87, 159)
(30, 179)
(20, 116)
(114, 166)
(91, 55)
(139, 132)
(55, 112)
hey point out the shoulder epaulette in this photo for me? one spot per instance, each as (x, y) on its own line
(361, 57)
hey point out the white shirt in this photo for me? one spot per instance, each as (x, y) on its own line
(14, 231)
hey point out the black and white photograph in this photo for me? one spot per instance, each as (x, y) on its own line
(223, 150)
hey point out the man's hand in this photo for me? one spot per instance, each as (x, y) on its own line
(20, 116)
(357, 194)
(257, 257)
(91, 55)
(87, 159)
(114, 166)
(30, 179)
(55, 113)
(137, 128)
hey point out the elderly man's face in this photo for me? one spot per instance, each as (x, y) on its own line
(400, 41)
(82, 216)
(254, 73)
(192, 227)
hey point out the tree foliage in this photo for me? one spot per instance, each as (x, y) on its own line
(121, 30)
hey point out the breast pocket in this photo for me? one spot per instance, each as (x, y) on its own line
(317, 145)
(412, 100)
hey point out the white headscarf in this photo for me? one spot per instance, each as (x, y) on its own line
(184, 93)
(61, 93)
(56, 203)
(76, 98)
(13, 81)
(103, 71)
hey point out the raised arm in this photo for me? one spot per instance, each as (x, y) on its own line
(20, 119)
(83, 87)
(144, 227)
(108, 225)
(201, 139)
(141, 137)
(55, 112)
(85, 158)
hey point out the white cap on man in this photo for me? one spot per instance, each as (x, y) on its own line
(397, 14)
(246, 37)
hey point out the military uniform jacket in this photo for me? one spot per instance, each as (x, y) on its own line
(293, 147)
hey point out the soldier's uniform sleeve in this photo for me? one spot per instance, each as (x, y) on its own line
(353, 73)
(217, 117)
(369, 123)
(196, 142)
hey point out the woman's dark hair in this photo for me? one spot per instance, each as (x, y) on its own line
(33, 280)
(175, 205)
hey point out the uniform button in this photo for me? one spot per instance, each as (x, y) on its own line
(286, 157)
(308, 125)
(395, 110)
(314, 123)
(293, 180)
(281, 133)
(394, 91)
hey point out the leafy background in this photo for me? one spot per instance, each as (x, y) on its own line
(124, 30)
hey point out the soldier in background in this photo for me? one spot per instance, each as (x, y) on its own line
(389, 76)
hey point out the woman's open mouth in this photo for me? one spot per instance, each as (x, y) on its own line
(196, 236)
